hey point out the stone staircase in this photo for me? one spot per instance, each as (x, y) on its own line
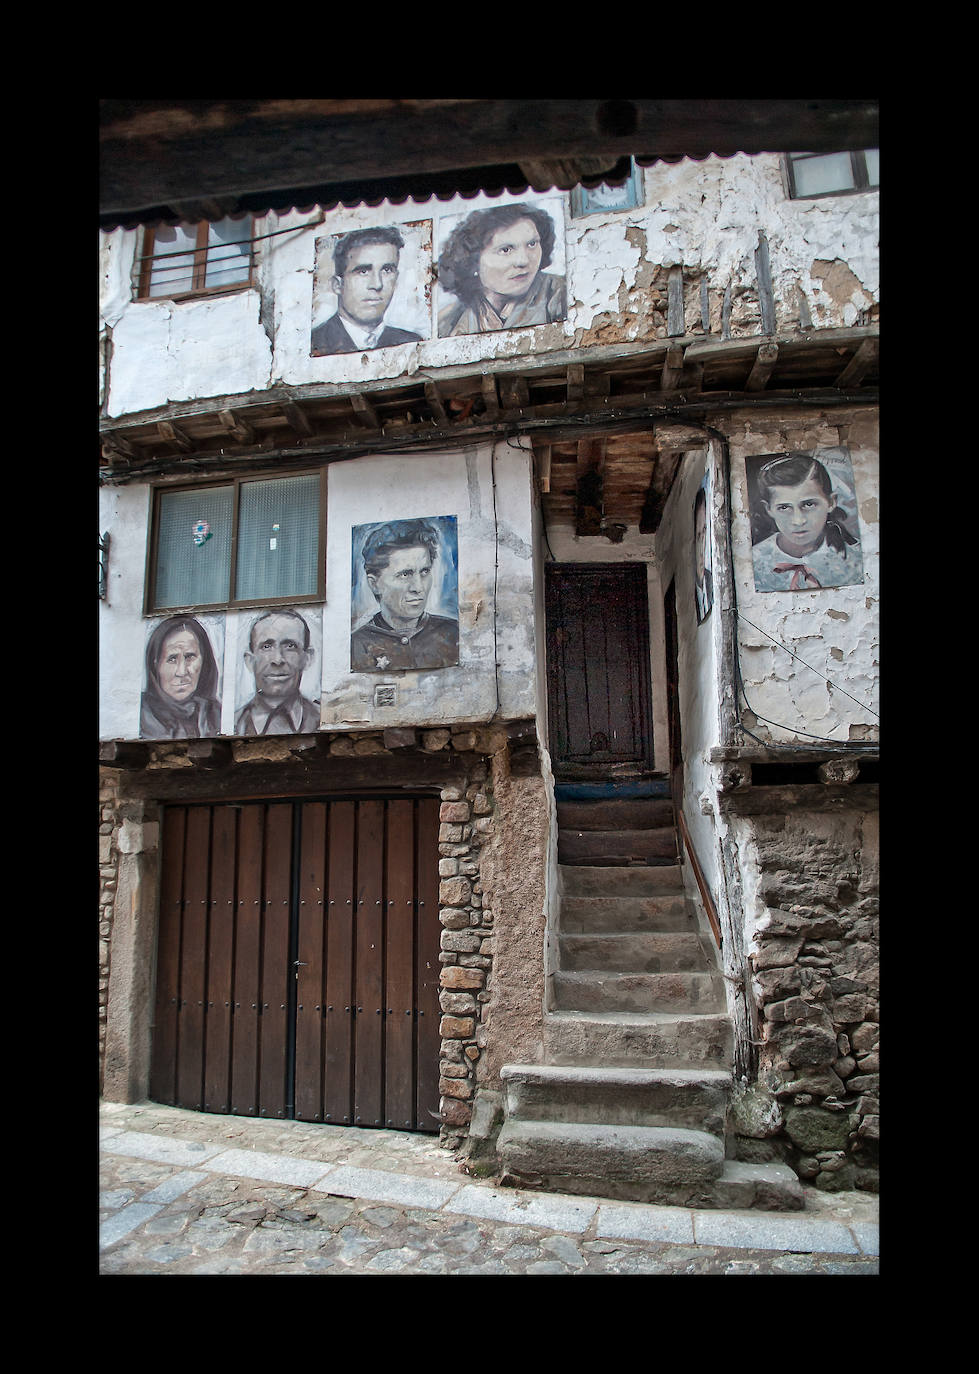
(631, 1101)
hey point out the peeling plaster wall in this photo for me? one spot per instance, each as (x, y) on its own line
(833, 632)
(703, 216)
(488, 489)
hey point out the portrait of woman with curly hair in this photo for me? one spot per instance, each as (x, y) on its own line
(492, 269)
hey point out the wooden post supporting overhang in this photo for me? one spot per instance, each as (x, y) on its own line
(589, 506)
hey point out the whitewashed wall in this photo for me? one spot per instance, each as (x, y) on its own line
(706, 216)
(489, 491)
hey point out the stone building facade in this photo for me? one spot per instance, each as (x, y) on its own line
(712, 327)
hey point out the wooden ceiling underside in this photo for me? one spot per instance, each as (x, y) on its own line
(600, 428)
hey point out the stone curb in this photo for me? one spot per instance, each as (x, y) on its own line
(549, 1211)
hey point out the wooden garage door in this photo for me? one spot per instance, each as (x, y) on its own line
(297, 969)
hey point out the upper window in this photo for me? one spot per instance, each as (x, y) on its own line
(241, 542)
(187, 259)
(832, 174)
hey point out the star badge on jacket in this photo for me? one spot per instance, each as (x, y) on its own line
(381, 661)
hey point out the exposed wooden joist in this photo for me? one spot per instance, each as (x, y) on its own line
(672, 368)
(174, 434)
(590, 470)
(364, 411)
(490, 396)
(232, 424)
(542, 456)
(297, 418)
(661, 480)
(514, 393)
(434, 398)
(762, 367)
(117, 446)
(576, 382)
(859, 365)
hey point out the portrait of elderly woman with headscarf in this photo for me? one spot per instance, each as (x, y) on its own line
(493, 265)
(180, 696)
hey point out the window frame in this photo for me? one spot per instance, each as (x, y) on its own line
(858, 166)
(236, 481)
(146, 258)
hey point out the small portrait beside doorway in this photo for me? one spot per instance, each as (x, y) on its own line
(405, 594)
(501, 268)
(182, 678)
(278, 678)
(703, 551)
(372, 288)
(805, 534)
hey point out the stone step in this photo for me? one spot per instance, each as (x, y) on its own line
(625, 813)
(658, 1164)
(618, 847)
(650, 952)
(695, 1098)
(654, 1040)
(635, 915)
(596, 881)
(638, 992)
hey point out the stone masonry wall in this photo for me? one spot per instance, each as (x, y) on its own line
(815, 973)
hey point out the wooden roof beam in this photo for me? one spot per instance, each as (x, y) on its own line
(859, 365)
(364, 411)
(590, 469)
(173, 434)
(232, 424)
(434, 398)
(762, 367)
(297, 419)
(672, 368)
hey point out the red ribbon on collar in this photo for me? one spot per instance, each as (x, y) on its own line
(795, 569)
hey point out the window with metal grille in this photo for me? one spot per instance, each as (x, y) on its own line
(241, 542)
(191, 259)
(831, 174)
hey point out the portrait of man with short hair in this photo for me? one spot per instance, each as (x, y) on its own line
(375, 303)
(280, 650)
(405, 595)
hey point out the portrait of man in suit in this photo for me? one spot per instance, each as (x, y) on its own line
(364, 279)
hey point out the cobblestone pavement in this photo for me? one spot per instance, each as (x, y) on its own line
(188, 1193)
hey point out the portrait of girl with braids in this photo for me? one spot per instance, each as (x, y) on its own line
(804, 539)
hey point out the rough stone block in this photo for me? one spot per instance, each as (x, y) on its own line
(455, 811)
(433, 740)
(813, 1130)
(459, 941)
(457, 977)
(455, 1087)
(456, 1027)
(457, 1003)
(455, 891)
(454, 1112)
(806, 1045)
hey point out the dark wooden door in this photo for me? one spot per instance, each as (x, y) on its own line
(297, 970)
(598, 665)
